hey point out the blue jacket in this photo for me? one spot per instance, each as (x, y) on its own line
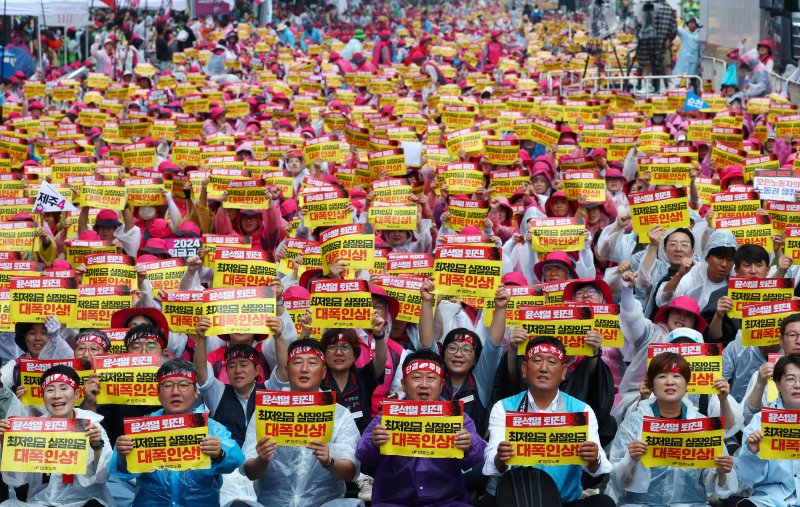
(195, 488)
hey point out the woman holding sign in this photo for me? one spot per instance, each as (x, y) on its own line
(59, 391)
(633, 484)
(774, 480)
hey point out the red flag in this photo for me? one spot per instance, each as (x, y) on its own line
(111, 3)
(734, 55)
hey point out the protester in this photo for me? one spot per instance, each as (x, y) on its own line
(439, 480)
(59, 393)
(300, 476)
(449, 162)
(177, 392)
(634, 484)
(544, 370)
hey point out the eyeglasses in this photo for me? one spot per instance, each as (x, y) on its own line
(589, 291)
(345, 347)
(142, 346)
(183, 386)
(454, 349)
(791, 335)
(682, 244)
(790, 380)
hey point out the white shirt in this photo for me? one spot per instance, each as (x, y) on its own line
(497, 434)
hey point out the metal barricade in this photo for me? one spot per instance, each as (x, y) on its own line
(575, 75)
(713, 69)
(636, 79)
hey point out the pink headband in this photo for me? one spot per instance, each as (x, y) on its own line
(545, 348)
(422, 365)
(59, 377)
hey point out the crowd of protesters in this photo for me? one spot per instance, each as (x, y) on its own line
(381, 76)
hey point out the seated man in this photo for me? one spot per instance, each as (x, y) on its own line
(177, 392)
(419, 482)
(544, 371)
(300, 476)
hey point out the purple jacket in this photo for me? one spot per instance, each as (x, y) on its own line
(419, 482)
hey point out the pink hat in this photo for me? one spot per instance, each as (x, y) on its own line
(159, 228)
(598, 152)
(146, 258)
(685, 303)
(296, 292)
(88, 235)
(188, 229)
(167, 166)
(288, 207)
(107, 218)
(217, 112)
(600, 285)
(612, 172)
(728, 173)
(470, 230)
(558, 258)
(60, 265)
(155, 246)
(514, 278)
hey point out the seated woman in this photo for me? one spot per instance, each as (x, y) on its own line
(633, 484)
(774, 481)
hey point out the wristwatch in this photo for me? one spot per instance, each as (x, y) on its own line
(219, 458)
(98, 446)
(331, 463)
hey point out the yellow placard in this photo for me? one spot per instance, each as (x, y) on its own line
(168, 442)
(45, 445)
(420, 429)
(693, 443)
(546, 439)
(128, 379)
(295, 419)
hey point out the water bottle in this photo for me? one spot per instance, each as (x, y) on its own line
(746, 82)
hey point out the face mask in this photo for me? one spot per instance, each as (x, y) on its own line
(147, 213)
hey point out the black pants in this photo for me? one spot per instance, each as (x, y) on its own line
(592, 501)
(746, 503)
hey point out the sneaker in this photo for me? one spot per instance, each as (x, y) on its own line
(364, 483)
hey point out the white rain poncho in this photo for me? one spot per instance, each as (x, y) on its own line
(632, 485)
(83, 488)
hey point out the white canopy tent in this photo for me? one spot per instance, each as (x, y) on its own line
(51, 12)
(154, 5)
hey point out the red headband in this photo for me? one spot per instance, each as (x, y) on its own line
(92, 338)
(241, 354)
(341, 338)
(464, 337)
(59, 377)
(675, 368)
(187, 374)
(149, 338)
(545, 348)
(305, 349)
(422, 365)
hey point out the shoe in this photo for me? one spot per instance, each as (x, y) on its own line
(364, 483)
